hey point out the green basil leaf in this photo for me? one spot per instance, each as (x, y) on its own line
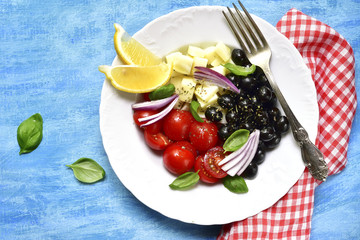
(162, 92)
(236, 140)
(87, 170)
(235, 184)
(240, 70)
(30, 133)
(194, 105)
(185, 180)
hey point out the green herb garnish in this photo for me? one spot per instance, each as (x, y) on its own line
(185, 181)
(236, 140)
(30, 133)
(235, 184)
(194, 105)
(240, 70)
(162, 92)
(87, 170)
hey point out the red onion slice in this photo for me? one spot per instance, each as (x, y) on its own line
(153, 105)
(238, 161)
(156, 117)
(215, 78)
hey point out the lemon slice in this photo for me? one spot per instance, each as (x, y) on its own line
(131, 51)
(137, 79)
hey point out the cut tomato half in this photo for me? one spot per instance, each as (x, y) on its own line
(211, 162)
(203, 174)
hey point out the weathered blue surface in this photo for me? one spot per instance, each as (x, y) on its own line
(49, 52)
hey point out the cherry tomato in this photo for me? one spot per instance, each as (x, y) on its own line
(211, 162)
(157, 141)
(177, 124)
(153, 128)
(178, 160)
(204, 175)
(203, 136)
(187, 145)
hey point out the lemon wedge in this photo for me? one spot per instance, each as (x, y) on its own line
(137, 79)
(131, 51)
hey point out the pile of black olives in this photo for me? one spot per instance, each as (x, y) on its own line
(254, 108)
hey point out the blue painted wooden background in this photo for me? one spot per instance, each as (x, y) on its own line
(49, 52)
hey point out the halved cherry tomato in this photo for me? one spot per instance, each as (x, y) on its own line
(146, 96)
(204, 175)
(177, 124)
(153, 128)
(211, 162)
(203, 135)
(178, 160)
(187, 145)
(157, 141)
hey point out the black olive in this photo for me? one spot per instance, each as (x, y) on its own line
(248, 83)
(224, 131)
(260, 154)
(274, 142)
(282, 125)
(232, 116)
(261, 118)
(238, 56)
(262, 80)
(213, 114)
(226, 101)
(250, 172)
(267, 134)
(258, 72)
(247, 125)
(245, 103)
(274, 113)
(264, 94)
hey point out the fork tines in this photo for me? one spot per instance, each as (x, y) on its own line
(245, 29)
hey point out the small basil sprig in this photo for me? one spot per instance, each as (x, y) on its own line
(30, 133)
(240, 70)
(235, 184)
(194, 105)
(162, 92)
(236, 140)
(185, 181)
(87, 170)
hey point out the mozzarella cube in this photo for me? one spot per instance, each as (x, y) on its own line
(187, 89)
(210, 53)
(206, 91)
(177, 83)
(196, 51)
(211, 101)
(171, 56)
(199, 62)
(223, 51)
(221, 69)
(183, 64)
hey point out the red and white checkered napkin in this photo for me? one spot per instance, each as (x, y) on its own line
(331, 61)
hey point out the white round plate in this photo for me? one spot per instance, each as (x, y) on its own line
(141, 170)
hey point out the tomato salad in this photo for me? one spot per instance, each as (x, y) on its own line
(226, 139)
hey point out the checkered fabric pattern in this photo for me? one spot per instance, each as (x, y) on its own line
(331, 61)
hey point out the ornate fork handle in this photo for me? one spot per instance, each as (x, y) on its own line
(311, 155)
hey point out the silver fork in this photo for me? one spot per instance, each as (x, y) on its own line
(258, 52)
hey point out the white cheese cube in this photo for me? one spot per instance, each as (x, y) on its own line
(211, 101)
(223, 51)
(183, 64)
(199, 62)
(177, 83)
(206, 91)
(187, 89)
(217, 61)
(196, 51)
(210, 53)
(221, 69)
(170, 58)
